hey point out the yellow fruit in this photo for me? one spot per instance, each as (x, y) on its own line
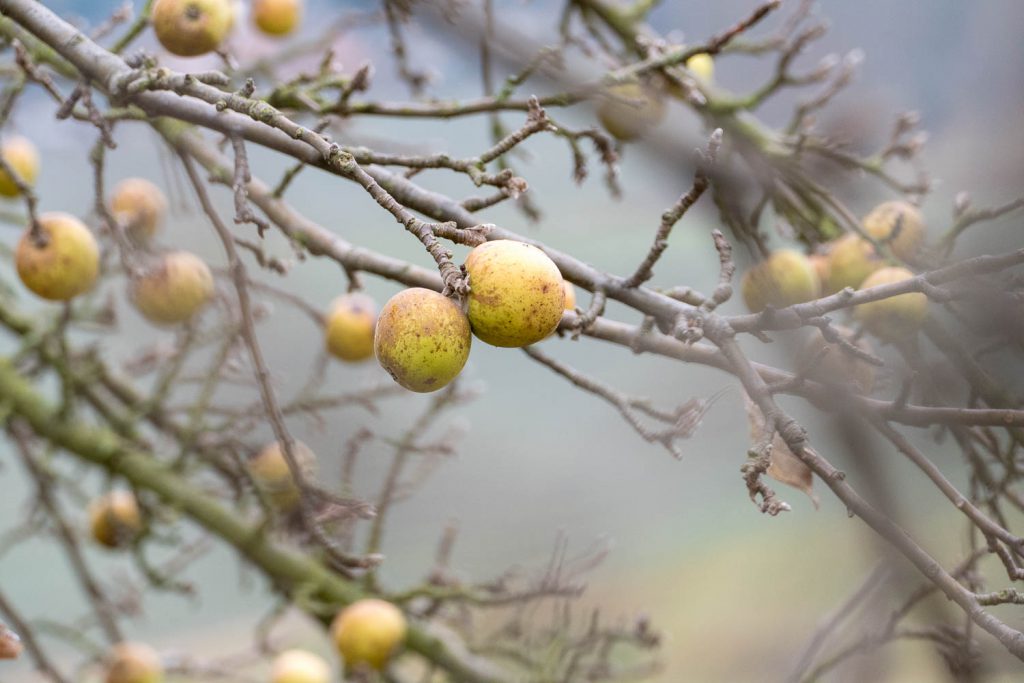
(896, 317)
(702, 65)
(348, 330)
(570, 295)
(277, 17)
(820, 263)
(422, 339)
(139, 206)
(115, 519)
(270, 471)
(898, 225)
(630, 110)
(837, 366)
(300, 666)
(66, 265)
(516, 293)
(851, 258)
(368, 632)
(173, 289)
(133, 663)
(785, 278)
(21, 155)
(188, 28)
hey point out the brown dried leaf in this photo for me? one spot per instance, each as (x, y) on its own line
(785, 467)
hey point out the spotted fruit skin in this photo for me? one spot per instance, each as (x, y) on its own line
(422, 339)
(269, 469)
(115, 519)
(785, 278)
(277, 17)
(173, 289)
(189, 28)
(134, 663)
(22, 156)
(897, 317)
(899, 225)
(65, 264)
(368, 632)
(139, 206)
(630, 110)
(516, 293)
(851, 258)
(348, 330)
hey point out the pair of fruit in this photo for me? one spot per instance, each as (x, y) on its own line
(189, 28)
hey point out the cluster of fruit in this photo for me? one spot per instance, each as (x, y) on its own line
(189, 28)
(789, 277)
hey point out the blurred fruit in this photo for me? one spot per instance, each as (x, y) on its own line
(836, 366)
(899, 225)
(570, 295)
(368, 632)
(820, 264)
(21, 155)
(115, 519)
(277, 17)
(10, 643)
(133, 663)
(139, 206)
(516, 293)
(348, 330)
(173, 289)
(300, 666)
(851, 258)
(422, 339)
(269, 469)
(66, 265)
(630, 110)
(896, 317)
(189, 28)
(702, 65)
(785, 278)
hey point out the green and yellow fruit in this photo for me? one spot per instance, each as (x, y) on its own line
(173, 289)
(348, 329)
(189, 28)
(516, 293)
(422, 339)
(899, 225)
(133, 663)
(702, 65)
(851, 258)
(300, 666)
(785, 278)
(139, 206)
(630, 110)
(21, 155)
(270, 471)
(277, 17)
(114, 519)
(368, 632)
(64, 264)
(898, 316)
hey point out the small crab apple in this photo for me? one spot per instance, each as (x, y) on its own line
(189, 28)
(702, 65)
(900, 225)
(570, 295)
(836, 366)
(21, 155)
(629, 110)
(115, 519)
(133, 663)
(300, 666)
(270, 471)
(348, 329)
(785, 278)
(851, 258)
(368, 632)
(139, 206)
(172, 289)
(277, 17)
(517, 294)
(60, 263)
(422, 339)
(896, 317)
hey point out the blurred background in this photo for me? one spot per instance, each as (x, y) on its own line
(737, 594)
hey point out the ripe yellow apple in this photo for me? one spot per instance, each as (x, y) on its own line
(896, 317)
(21, 155)
(516, 293)
(66, 265)
(702, 65)
(348, 330)
(115, 519)
(837, 366)
(629, 110)
(173, 289)
(368, 632)
(139, 206)
(277, 17)
(570, 295)
(899, 225)
(422, 339)
(851, 258)
(133, 663)
(300, 666)
(785, 278)
(270, 471)
(188, 28)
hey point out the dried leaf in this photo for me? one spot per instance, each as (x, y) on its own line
(785, 468)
